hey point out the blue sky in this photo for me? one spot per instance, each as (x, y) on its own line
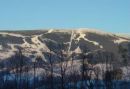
(108, 15)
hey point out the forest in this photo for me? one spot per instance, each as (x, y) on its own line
(21, 72)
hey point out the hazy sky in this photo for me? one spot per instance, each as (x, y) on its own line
(108, 15)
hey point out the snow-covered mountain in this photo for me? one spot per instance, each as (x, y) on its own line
(43, 54)
(38, 42)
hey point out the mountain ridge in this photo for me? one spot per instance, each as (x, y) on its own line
(37, 39)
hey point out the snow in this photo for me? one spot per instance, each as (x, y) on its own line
(36, 45)
(82, 35)
(50, 31)
(96, 31)
(6, 54)
(82, 32)
(126, 72)
(77, 50)
(101, 46)
(120, 40)
(71, 38)
(25, 44)
(12, 34)
(39, 44)
(125, 35)
(1, 47)
(40, 47)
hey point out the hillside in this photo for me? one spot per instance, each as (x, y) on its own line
(56, 49)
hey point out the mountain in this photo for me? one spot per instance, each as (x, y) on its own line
(38, 41)
(62, 53)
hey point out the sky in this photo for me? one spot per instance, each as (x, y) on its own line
(107, 15)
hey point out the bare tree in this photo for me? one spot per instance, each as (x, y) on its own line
(84, 67)
(63, 63)
(34, 75)
(51, 65)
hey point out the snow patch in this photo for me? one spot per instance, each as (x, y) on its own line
(126, 72)
(9, 52)
(12, 34)
(50, 31)
(1, 47)
(25, 44)
(77, 50)
(120, 40)
(6, 54)
(82, 35)
(39, 44)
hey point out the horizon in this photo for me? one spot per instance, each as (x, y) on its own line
(105, 15)
(69, 29)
